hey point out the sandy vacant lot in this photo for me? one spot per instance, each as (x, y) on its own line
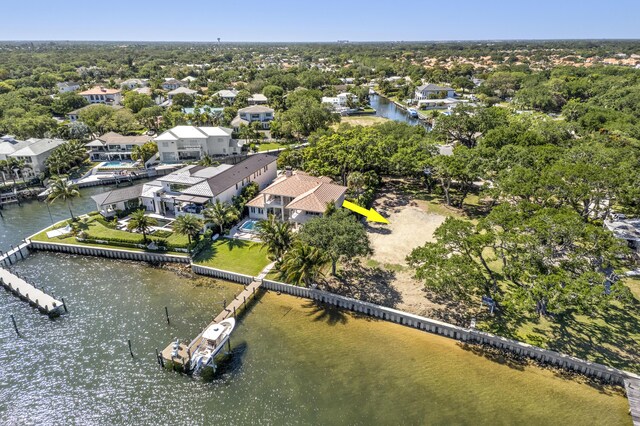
(362, 120)
(410, 226)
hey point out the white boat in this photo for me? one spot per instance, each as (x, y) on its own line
(213, 340)
(412, 112)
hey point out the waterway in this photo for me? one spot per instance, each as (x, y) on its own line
(387, 109)
(291, 362)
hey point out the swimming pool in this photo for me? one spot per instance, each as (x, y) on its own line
(250, 226)
(117, 164)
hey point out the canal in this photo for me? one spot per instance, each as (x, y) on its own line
(387, 109)
(291, 362)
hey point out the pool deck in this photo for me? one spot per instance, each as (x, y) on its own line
(240, 234)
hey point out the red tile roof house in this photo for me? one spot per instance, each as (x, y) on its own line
(102, 95)
(296, 197)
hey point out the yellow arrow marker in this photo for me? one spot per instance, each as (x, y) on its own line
(371, 214)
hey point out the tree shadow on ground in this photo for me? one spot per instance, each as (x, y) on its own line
(367, 284)
(326, 313)
(236, 243)
(607, 338)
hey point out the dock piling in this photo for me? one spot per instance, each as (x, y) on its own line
(166, 312)
(15, 326)
(64, 305)
(130, 350)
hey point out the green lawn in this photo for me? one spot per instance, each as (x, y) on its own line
(610, 337)
(266, 146)
(97, 231)
(243, 257)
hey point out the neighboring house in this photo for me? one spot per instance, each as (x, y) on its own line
(248, 115)
(296, 197)
(341, 100)
(114, 146)
(183, 90)
(143, 90)
(190, 189)
(430, 91)
(188, 79)
(109, 203)
(172, 84)
(8, 145)
(133, 83)
(102, 95)
(625, 229)
(35, 152)
(257, 99)
(75, 114)
(190, 143)
(68, 86)
(228, 96)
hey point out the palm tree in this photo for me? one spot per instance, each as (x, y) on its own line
(4, 167)
(220, 214)
(188, 225)
(63, 190)
(141, 223)
(207, 161)
(277, 236)
(302, 264)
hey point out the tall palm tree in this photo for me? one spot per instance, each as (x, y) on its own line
(302, 264)
(63, 190)
(277, 236)
(188, 225)
(220, 214)
(141, 223)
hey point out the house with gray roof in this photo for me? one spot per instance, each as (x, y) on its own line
(433, 91)
(191, 143)
(190, 189)
(109, 203)
(34, 153)
(254, 113)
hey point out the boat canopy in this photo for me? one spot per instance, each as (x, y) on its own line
(216, 330)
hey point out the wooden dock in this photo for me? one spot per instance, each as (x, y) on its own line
(184, 352)
(632, 386)
(29, 293)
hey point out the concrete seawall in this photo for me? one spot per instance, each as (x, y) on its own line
(109, 252)
(222, 274)
(467, 335)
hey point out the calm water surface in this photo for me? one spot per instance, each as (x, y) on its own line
(291, 362)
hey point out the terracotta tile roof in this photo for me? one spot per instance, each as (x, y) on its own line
(316, 199)
(294, 185)
(309, 193)
(100, 90)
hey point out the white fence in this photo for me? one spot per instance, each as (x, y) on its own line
(222, 274)
(455, 332)
(14, 255)
(110, 252)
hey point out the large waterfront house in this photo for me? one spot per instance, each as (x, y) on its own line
(340, 100)
(75, 114)
(432, 91)
(68, 86)
(102, 95)
(250, 114)
(296, 197)
(114, 146)
(625, 229)
(191, 143)
(190, 189)
(34, 152)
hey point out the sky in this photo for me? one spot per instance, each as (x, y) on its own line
(320, 20)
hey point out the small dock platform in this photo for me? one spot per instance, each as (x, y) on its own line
(183, 356)
(632, 387)
(29, 293)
